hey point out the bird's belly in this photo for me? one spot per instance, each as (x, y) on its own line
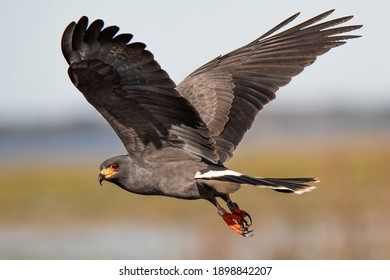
(181, 190)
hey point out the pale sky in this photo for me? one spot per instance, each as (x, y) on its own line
(184, 35)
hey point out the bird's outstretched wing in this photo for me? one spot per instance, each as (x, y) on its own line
(230, 90)
(128, 87)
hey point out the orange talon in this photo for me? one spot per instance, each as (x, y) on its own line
(237, 222)
(245, 217)
(232, 221)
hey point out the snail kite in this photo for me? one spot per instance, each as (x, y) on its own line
(178, 137)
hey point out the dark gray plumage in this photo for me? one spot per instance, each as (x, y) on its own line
(178, 137)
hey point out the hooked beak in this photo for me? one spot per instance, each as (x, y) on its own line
(101, 178)
(107, 174)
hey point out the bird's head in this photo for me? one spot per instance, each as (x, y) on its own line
(114, 169)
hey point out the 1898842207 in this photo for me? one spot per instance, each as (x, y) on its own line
(246, 270)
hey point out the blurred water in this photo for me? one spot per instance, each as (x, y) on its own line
(103, 241)
(58, 144)
(328, 238)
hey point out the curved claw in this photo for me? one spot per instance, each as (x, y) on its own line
(238, 220)
(247, 233)
(238, 224)
(245, 217)
(248, 219)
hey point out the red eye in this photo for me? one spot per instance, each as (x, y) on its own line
(115, 166)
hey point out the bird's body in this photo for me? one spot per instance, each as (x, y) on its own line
(173, 179)
(179, 137)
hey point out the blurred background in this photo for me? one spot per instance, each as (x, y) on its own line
(332, 121)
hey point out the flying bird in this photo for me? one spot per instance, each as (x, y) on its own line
(178, 137)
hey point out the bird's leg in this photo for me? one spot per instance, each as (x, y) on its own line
(238, 221)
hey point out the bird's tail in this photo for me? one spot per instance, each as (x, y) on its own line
(286, 185)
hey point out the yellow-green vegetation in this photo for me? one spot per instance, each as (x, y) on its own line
(346, 217)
